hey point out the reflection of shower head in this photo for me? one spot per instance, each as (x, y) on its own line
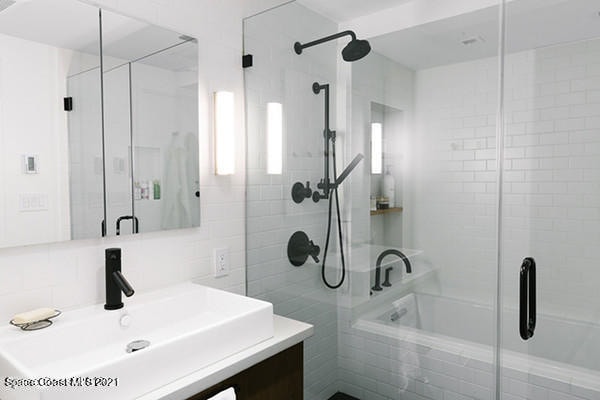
(355, 50)
(349, 169)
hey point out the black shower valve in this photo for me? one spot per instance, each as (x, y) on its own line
(316, 197)
(301, 192)
(300, 247)
(313, 251)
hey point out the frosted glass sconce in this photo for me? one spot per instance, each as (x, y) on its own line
(376, 148)
(274, 138)
(224, 133)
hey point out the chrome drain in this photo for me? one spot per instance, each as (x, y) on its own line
(137, 345)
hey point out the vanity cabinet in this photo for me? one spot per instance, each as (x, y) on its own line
(278, 377)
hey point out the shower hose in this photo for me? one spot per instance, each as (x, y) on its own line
(339, 224)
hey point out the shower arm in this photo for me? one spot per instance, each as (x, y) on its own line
(298, 47)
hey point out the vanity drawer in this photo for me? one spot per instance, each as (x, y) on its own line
(276, 378)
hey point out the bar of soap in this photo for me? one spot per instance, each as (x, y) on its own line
(38, 314)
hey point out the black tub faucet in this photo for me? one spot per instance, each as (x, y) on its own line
(377, 287)
(115, 281)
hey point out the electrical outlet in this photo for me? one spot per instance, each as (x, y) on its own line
(221, 260)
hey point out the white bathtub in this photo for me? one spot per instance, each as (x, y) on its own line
(437, 345)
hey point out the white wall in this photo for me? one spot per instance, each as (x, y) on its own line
(70, 274)
(32, 79)
(452, 218)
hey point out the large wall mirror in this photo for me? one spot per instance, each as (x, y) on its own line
(71, 171)
(150, 127)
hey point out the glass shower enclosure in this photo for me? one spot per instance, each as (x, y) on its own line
(470, 229)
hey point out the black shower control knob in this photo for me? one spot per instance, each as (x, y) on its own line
(299, 192)
(316, 197)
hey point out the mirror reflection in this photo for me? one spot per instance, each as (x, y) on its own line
(151, 127)
(61, 177)
(51, 159)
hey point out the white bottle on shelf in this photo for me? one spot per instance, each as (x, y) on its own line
(389, 186)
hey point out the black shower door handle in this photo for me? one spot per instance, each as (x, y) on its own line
(527, 305)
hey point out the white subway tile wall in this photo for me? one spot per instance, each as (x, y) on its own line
(552, 190)
(551, 212)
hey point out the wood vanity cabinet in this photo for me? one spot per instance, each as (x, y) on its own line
(276, 378)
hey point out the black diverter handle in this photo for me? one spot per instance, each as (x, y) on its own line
(527, 304)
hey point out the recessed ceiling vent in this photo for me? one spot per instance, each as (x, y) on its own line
(4, 4)
(472, 40)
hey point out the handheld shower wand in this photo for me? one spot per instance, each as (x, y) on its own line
(330, 188)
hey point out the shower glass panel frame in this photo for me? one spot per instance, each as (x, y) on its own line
(440, 129)
(280, 75)
(490, 120)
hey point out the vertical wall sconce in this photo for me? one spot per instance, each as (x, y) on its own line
(376, 148)
(274, 138)
(224, 133)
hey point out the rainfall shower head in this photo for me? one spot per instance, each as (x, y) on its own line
(355, 50)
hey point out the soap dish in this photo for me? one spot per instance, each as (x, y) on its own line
(35, 325)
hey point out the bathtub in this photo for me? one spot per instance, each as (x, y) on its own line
(441, 348)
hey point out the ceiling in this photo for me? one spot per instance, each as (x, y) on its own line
(531, 24)
(38, 21)
(345, 10)
(71, 24)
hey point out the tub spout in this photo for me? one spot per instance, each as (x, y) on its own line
(377, 287)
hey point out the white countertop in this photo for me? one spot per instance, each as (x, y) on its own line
(287, 332)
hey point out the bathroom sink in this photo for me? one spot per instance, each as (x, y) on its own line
(188, 327)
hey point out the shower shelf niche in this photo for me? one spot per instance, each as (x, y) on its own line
(386, 211)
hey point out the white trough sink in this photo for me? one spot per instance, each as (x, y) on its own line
(188, 326)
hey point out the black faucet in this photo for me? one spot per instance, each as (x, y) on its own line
(377, 287)
(387, 282)
(115, 281)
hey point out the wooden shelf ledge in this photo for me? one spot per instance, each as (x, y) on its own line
(386, 211)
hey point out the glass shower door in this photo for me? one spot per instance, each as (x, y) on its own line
(551, 202)
(430, 92)
(425, 329)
